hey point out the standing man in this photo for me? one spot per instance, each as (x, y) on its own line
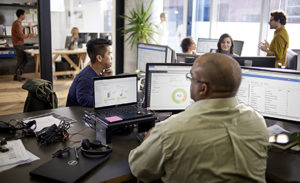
(18, 42)
(280, 41)
(81, 92)
(216, 139)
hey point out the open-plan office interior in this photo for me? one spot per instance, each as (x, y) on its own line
(49, 57)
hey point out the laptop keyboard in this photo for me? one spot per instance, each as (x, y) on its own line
(119, 111)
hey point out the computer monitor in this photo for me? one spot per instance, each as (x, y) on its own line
(205, 45)
(238, 47)
(105, 35)
(152, 53)
(166, 87)
(86, 36)
(186, 58)
(274, 93)
(257, 61)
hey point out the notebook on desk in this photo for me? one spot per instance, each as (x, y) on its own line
(116, 98)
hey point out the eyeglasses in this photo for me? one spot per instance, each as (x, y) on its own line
(190, 77)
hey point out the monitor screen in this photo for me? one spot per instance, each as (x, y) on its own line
(273, 93)
(166, 87)
(238, 47)
(85, 37)
(205, 45)
(151, 53)
(115, 90)
(186, 58)
(258, 61)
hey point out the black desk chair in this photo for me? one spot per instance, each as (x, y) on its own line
(291, 60)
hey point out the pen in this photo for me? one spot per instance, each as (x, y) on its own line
(76, 153)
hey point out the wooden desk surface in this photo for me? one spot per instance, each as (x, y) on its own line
(116, 169)
(81, 53)
(68, 52)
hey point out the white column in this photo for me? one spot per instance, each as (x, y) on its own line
(130, 54)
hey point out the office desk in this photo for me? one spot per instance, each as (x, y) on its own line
(116, 169)
(282, 166)
(65, 54)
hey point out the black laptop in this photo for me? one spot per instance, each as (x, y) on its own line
(116, 98)
(67, 168)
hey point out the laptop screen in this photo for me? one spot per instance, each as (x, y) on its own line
(115, 90)
(274, 93)
(166, 87)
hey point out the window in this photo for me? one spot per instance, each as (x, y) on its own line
(240, 19)
(292, 9)
(174, 10)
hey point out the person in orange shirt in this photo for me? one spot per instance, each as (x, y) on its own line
(18, 42)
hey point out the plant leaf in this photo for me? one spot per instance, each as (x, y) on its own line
(139, 28)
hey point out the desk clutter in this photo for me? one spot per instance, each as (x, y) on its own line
(46, 128)
(283, 139)
(66, 165)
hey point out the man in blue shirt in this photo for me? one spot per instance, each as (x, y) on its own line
(81, 92)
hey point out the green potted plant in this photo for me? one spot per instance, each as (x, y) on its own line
(296, 137)
(140, 28)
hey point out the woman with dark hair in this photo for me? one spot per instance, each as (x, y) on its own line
(188, 45)
(225, 45)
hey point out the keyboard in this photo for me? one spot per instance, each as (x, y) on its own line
(120, 110)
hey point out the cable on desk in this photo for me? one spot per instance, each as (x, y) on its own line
(75, 133)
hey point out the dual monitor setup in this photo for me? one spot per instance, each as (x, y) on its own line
(84, 37)
(274, 93)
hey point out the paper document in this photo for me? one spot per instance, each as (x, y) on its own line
(45, 121)
(276, 129)
(16, 153)
(32, 158)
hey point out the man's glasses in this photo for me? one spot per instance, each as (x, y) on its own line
(190, 77)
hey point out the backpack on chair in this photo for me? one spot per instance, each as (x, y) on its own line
(40, 95)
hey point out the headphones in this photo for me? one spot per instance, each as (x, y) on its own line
(2, 148)
(94, 149)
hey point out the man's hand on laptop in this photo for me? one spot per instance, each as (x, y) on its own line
(107, 72)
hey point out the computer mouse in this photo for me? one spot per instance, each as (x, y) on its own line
(139, 112)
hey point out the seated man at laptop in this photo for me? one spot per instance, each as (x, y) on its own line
(216, 139)
(81, 92)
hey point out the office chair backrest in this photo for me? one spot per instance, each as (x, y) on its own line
(238, 47)
(291, 60)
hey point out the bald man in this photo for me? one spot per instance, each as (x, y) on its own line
(216, 139)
